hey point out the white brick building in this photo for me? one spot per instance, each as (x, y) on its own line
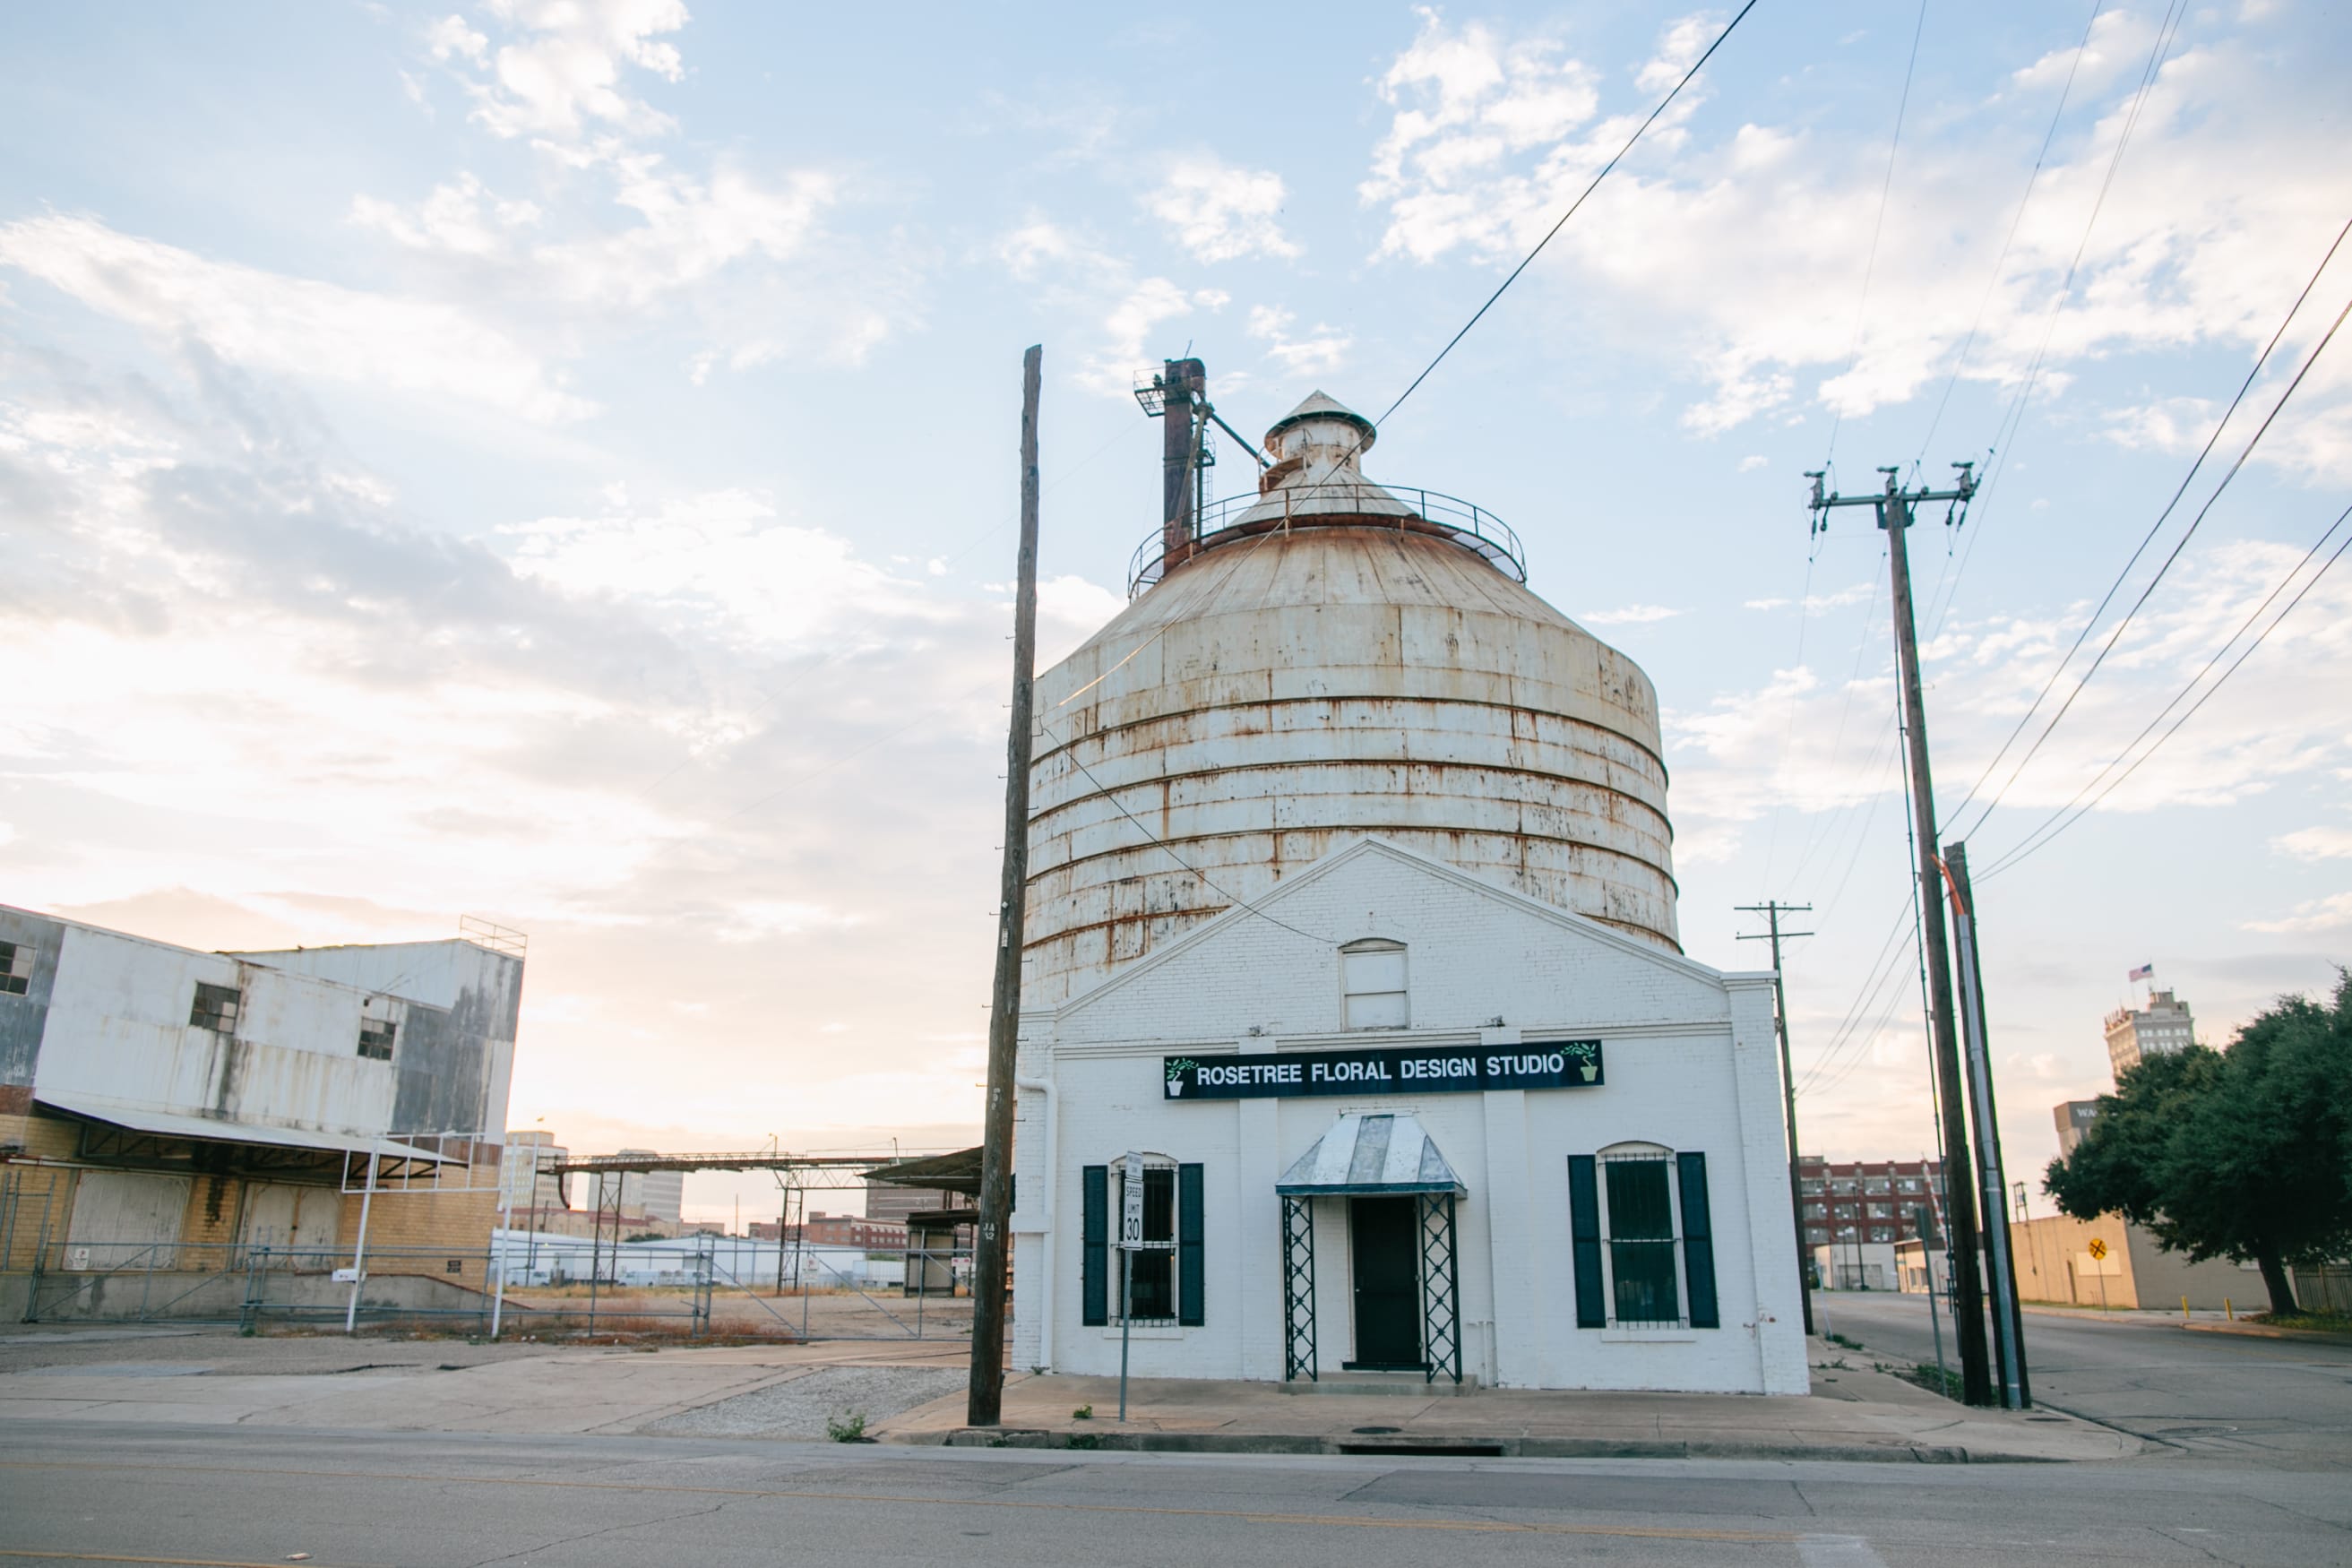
(1687, 1068)
(1351, 915)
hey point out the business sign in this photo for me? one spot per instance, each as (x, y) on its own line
(1396, 1069)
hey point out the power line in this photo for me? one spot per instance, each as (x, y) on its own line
(2186, 534)
(1552, 232)
(2186, 480)
(1886, 189)
(2005, 430)
(2016, 220)
(2028, 844)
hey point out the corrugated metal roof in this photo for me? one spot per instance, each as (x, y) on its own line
(1364, 1153)
(141, 1118)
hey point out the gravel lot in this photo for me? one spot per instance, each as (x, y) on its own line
(801, 1407)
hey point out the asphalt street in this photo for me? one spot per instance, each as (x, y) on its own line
(75, 1492)
(2221, 1396)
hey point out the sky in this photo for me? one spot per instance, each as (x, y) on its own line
(556, 461)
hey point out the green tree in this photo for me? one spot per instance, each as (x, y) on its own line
(2244, 1153)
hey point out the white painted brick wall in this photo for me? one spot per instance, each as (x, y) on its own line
(1690, 1064)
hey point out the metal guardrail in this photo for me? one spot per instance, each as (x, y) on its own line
(1435, 514)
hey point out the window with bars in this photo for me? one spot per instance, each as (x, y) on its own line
(1170, 1280)
(1640, 1218)
(1643, 1239)
(215, 1008)
(1153, 1280)
(15, 968)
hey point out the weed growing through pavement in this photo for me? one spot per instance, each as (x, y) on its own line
(1083, 1413)
(848, 1426)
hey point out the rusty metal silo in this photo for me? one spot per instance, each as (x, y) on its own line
(1328, 658)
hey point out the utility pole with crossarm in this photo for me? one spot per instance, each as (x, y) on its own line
(1895, 507)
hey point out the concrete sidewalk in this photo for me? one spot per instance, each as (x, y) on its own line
(1854, 1413)
(910, 1391)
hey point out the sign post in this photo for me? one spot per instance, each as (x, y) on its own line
(1131, 1237)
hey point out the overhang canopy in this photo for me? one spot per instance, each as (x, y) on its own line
(1363, 1154)
(954, 1172)
(210, 1129)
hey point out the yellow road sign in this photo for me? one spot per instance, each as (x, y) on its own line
(2098, 1248)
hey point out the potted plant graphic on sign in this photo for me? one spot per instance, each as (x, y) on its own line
(1177, 1068)
(1585, 1057)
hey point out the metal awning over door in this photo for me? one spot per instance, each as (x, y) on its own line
(1369, 1153)
(1373, 1155)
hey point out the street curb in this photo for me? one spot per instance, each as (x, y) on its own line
(1454, 1446)
(2264, 1331)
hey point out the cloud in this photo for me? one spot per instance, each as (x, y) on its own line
(1737, 254)
(1220, 212)
(1627, 616)
(565, 69)
(1465, 100)
(1322, 350)
(2330, 913)
(2316, 843)
(459, 218)
(662, 731)
(451, 38)
(1820, 739)
(294, 326)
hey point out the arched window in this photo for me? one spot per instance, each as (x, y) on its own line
(1644, 1208)
(1372, 985)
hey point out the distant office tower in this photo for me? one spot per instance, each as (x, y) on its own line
(2160, 1028)
(527, 1152)
(2074, 1118)
(657, 1194)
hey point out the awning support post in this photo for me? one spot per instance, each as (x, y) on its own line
(1298, 1288)
(1441, 1289)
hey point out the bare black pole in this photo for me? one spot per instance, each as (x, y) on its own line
(1772, 909)
(2007, 1317)
(1895, 505)
(984, 1404)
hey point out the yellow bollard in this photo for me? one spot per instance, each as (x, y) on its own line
(2227, 1310)
(2184, 1309)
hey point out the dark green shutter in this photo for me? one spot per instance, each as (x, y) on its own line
(1698, 1242)
(1189, 1281)
(1094, 1270)
(1584, 1227)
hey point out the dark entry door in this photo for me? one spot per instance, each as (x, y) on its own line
(1387, 1283)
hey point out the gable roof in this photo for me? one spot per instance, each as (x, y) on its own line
(1371, 844)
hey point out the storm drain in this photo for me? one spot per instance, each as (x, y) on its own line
(1428, 1450)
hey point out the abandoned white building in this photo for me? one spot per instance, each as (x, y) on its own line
(168, 1110)
(1351, 920)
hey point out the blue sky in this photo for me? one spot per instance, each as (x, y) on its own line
(554, 461)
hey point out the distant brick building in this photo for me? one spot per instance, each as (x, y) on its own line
(833, 1230)
(1867, 1201)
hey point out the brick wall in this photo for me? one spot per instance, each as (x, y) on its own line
(416, 1230)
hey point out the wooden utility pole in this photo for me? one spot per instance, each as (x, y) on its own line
(985, 1402)
(1895, 505)
(1772, 909)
